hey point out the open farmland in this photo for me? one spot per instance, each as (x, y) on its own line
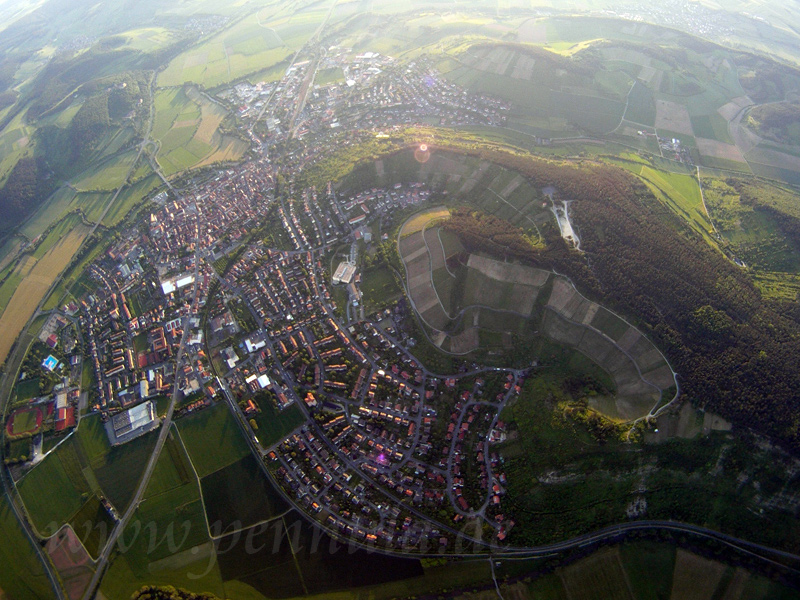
(32, 289)
(187, 128)
(246, 48)
(72, 562)
(212, 428)
(240, 495)
(60, 470)
(106, 175)
(21, 573)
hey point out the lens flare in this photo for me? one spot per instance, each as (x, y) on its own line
(421, 154)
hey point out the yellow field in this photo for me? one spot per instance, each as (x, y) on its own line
(33, 288)
(418, 222)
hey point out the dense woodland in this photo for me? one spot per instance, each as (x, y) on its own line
(734, 352)
(779, 122)
(27, 186)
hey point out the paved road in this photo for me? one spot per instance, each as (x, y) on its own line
(102, 561)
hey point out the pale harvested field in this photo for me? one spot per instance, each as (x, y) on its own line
(379, 169)
(409, 244)
(33, 288)
(728, 111)
(209, 123)
(71, 561)
(661, 377)
(673, 116)
(475, 177)
(719, 150)
(195, 60)
(513, 185)
(561, 294)
(25, 265)
(736, 587)
(445, 164)
(523, 69)
(627, 55)
(412, 257)
(695, 577)
(578, 310)
(590, 313)
(646, 74)
(424, 297)
(502, 271)
(648, 357)
(230, 149)
(634, 397)
(420, 266)
(773, 158)
(627, 341)
(435, 248)
(435, 317)
(419, 281)
(597, 347)
(533, 32)
(418, 222)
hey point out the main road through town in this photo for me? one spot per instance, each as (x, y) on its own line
(102, 561)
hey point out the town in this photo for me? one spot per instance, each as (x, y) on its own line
(192, 308)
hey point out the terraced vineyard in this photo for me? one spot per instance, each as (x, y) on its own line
(460, 295)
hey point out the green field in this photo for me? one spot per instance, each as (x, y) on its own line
(118, 468)
(186, 126)
(165, 543)
(240, 495)
(129, 197)
(93, 524)
(379, 288)
(83, 465)
(106, 175)
(61, 470)
(681, 193)
(237, 52)
(27, 389)
(212, 428)
(22, 576)
(274, 424)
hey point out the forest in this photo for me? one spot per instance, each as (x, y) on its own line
(26, 187)
(779, 122)
(735, 352)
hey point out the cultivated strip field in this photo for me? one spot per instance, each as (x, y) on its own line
(33, 288)
(640, 371)
(499, 296)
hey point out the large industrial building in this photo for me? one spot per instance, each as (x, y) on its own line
(130, 424)
(344, 273)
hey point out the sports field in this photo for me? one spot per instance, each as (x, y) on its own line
(25, 421)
